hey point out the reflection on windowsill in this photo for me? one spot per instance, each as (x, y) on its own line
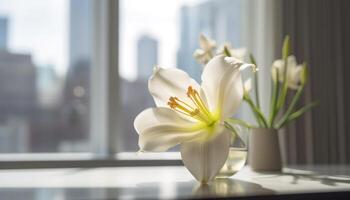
(229, 187)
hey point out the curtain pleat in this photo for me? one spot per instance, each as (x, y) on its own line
(320, 31)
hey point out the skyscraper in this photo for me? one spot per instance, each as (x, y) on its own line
(147, 56)
(3, 33)
(18, 101)
(80, 27)
(76, 110)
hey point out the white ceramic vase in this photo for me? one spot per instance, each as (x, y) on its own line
(264, 152)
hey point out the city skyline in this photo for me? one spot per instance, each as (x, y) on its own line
(46, 26)
(3, 33)
(62, 118)
(147, 56)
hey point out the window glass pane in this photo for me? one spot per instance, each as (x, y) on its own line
(45, 50)
(165, 33)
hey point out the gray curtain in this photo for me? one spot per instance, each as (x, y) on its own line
(320, 33)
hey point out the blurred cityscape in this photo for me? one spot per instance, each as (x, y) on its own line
(43, 112)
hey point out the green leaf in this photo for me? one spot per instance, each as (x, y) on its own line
(227, 51)
(304, 74)
(252, 59)
(301, 111)
(286, 47)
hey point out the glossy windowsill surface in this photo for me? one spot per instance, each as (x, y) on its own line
(166, 182)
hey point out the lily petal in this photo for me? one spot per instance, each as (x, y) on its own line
(247, 85)
(238, 53)
(222, 85)
(162, 128)
(206, 43)
(295, 77)
(205, 159)
(201, 56)
(165, 83)
(293, 72)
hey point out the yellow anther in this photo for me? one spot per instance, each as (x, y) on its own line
(198, 110)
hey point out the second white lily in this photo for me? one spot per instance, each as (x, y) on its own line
(294, 72)
(193, 115)
(205, 53)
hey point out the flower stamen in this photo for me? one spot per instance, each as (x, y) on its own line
(196, 99)
(180, 106)
(198, 110)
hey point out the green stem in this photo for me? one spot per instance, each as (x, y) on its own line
(257, 118)
(234, 133)
(240, 122)
(258, 115)
(282, 97)
(274, 98)
(232, 129)
(291, 107)
(285, 54)
(256, 81)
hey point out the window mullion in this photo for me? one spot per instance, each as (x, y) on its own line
(104, 79)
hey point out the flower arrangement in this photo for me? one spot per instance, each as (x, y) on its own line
(198, 117)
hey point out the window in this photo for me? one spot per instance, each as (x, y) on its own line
(59, 91)
(45, 61)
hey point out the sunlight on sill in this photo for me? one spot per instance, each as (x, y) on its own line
(88, 156)
(149, 156)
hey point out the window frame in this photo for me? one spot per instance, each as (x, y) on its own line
(104, 128)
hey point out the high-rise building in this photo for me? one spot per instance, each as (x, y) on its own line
(17, 84)
(218, 19)
(18, 101)
(3, 33)
(76, 102)
(147, 56)
(80, 27)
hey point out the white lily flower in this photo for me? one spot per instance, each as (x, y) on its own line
(247, 86)
(238, 53)
(294, 72)
(205, 53)
(193, 115)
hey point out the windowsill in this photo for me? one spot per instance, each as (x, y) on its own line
(87, 160)
(88, 156)
(149, 156)
(45, 156)
(298, 182)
